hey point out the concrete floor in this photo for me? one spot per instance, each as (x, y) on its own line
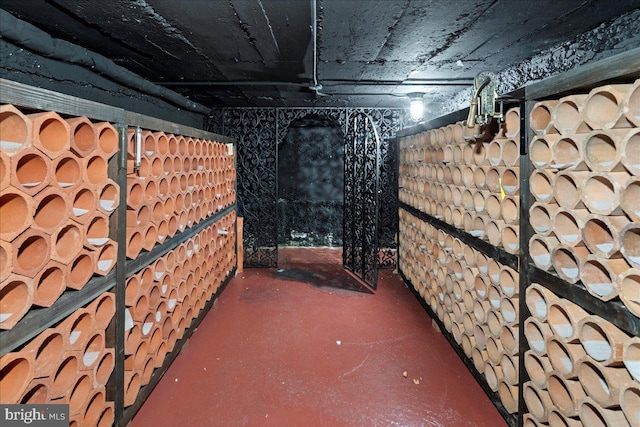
(294, 348)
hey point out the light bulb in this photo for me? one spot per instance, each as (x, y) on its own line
(416, 109)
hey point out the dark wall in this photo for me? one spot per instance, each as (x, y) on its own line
(310, 184)
(20, 65)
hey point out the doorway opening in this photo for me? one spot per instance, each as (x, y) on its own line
(311, 184)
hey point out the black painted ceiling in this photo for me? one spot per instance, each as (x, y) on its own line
(369, 52)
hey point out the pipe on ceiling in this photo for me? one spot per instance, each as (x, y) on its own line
(330, 82)
(35, 40)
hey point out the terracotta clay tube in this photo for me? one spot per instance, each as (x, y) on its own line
(93, 408)
(495, 352)
(37, 392)
(81, 269)
(135, 362)
(630, 244)
(537, 333)
(64, 377)
(568, 226)
(66, 172)
(509, 339)
(565, 394)
(97, 232)
(108, 196)
(103, 309)
(538, 401)
(508, 396)
(541, 185)
(468, 344)
(478, 356)
(84, 138)
(629, 290)
(135, 193)
(540, 248)
(601, 383)
(541, 216)
(83, 204)
(540, 117)
(541, 150)
(509, 181)
(48, 284)
(510, 239)
(76, 330)
(16, 372)
(494, 230)
(567, 115)
(567, 260)
(630, 199)
(568, 189)
(494, 152)
(602, 150)
(600, 276)
(147, 370)
(157, 212)
(564, 357)
(76, 396)
(16, 211)
(567, 153)
(602, 234)
(630, 151)
(6, 259)
(52, 209)
(537, 368)
(493, 207)
(135, 218)
(67, 243)
(31, 252)
(556, 418)
(133, 383)
(512, 123)
(631, 357)
(5, 170)
(15, 129)
(493, 375)
(149, 144)
(509, 310)
(494, 178)
(90, 355)
(631, 106)
(30, 171)
(107, 138)
(630, 403)
(602, 340)
(106, 258)
(604, 107)
(602, 192)
(132, 337)
(157, 167)
(593, 415)
(509, 366)
(50, 133)
(135, 242)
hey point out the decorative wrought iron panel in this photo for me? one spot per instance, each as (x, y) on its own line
(361, 186)
(255, 133)
(258, 132)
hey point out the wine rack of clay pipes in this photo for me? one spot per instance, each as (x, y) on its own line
(524, 247)
(118, 233)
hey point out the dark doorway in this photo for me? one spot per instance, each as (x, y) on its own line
(311, 184)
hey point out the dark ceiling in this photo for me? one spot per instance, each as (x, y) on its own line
(369, 52)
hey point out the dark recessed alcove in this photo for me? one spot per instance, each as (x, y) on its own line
(310, 183)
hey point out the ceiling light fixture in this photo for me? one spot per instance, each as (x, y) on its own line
(416, 106)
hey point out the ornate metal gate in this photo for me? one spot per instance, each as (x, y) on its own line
(258, 132)
(361, 189)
